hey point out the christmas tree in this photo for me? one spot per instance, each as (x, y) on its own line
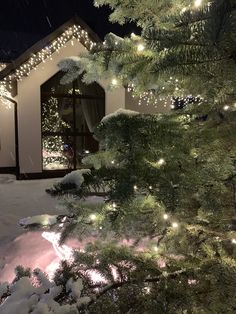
(53, 146)
(164, 239)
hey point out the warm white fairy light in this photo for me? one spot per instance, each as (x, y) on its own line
(175, 225)
(197, 3)
(155, 248)
(161, 162)
(226, 108)
(140, 47)
(147, 290)
(93, 217)
(73, 33)
(114, 81)
(233, 241)
(165, 216)
(135, 187)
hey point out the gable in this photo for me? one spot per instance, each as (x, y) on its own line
(74, 30)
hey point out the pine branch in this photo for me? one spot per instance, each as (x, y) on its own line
(117, 285)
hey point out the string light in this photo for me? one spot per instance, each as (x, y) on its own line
(140, 47)
(93, 217)
(74, 32)
(114, 81)
(161, 162)
(165, 216)
(197, 3)
(233, 241)
(226, 108)
(135, 187)
(175, 225)
(155, 248)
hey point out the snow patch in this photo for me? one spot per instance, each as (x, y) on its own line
(43, 220)
(119, 112)
(75, 177)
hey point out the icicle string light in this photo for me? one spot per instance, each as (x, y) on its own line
(73, 33)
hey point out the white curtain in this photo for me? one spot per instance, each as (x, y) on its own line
(93, 110)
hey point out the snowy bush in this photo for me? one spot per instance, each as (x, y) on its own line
(24, 297)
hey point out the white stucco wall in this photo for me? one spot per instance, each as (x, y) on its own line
(29, 107)
(7, 136)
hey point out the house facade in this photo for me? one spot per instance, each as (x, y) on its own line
(46, 128)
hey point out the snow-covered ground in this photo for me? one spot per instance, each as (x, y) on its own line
(20, 199)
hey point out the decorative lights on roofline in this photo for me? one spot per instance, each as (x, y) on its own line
(72, 33)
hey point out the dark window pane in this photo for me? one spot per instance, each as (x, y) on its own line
(85, 145)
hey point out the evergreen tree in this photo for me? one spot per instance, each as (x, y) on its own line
(164, 240)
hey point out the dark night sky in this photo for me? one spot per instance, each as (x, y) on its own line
(23, 22)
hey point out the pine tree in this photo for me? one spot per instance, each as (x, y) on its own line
(164, 239)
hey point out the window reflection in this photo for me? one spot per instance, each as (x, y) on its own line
(69, 115)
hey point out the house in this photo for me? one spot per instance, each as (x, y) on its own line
(46, 128)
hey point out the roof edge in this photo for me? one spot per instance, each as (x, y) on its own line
(76, 20)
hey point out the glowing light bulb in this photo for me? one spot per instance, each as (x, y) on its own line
(147, 290)
(197, 3)
(140, 47)
(93, 217)
(226, 108)
(233, 241)
(114, 205)
(161, 162)
(135, 187)
(155, 248)
(175, 225)
(165, 216)
(114, 81)
(150, 187)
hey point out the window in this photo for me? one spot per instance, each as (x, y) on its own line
(69, 115)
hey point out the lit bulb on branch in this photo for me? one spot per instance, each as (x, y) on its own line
(161, 162)
(135, 187)
(175, 225)
(233, 241)
(155, 248)
(226, 108)
(140, 47)
(197, 3)
(93, 217)
(114, 82)
(165, 216)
